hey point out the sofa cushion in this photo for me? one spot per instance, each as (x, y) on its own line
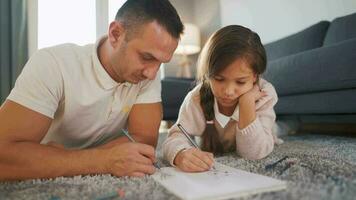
(309, 38)
(173, 93)
(323, 69)
(335, 102)
(340, 29)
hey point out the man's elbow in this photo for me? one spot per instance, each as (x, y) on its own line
(6, 166)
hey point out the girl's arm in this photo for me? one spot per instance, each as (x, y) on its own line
(247, 105)
(254, 138)
(191, 117)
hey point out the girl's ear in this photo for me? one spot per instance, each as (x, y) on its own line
(255, 78)
(116, 33)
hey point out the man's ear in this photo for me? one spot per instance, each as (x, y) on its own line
(116, 33)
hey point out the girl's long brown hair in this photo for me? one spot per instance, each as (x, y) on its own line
(223, 48)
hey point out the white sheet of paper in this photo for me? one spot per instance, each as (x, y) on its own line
(224, 182)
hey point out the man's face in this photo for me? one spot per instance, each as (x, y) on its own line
(139, 58)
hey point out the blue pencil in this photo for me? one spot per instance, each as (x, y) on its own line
(107, 196)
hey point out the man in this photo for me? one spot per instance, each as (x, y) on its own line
(67, 108)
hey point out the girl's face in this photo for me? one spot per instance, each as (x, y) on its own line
(236, 79)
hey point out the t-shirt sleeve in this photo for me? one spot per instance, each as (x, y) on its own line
(150, 91)
(39, 87)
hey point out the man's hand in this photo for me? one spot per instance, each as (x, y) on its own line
(194, 160)
(129, 159)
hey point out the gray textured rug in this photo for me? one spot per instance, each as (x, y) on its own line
(318, 167)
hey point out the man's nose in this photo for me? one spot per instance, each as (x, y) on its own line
(150, 72)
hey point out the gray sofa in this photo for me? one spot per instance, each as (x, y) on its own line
(173, 92)
(313, 71)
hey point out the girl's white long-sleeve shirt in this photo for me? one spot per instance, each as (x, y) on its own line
(255, 141)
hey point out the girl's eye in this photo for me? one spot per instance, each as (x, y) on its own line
(218, 79)
(240, 83)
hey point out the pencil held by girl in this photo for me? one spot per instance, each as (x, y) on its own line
(231, 108)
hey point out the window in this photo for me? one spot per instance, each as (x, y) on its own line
(53, 22)
(63, 21)
(114, 5)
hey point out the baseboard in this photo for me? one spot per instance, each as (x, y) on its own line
(341, 129)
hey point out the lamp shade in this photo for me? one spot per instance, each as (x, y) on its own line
(190, 40)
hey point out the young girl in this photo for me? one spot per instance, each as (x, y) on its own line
(231, 108)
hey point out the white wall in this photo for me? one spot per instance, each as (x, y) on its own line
(275, 19)
(207, 17)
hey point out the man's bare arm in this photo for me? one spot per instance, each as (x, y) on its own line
(144, 122)
(143, 125)
(23, 157)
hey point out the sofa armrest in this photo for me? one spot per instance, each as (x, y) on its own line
(323, 69)
(173, 93)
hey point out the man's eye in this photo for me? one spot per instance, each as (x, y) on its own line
(146, 58)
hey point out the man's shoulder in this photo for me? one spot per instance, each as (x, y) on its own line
(69, 58)
(69, 50)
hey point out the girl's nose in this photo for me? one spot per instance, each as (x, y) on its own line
(229, 90)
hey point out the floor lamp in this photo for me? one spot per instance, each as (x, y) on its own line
(189, 44)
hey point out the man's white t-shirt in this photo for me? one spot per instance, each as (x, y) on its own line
(68, 84)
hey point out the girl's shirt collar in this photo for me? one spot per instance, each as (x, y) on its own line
(223, 119)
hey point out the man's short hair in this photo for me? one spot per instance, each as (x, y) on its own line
(135, 13)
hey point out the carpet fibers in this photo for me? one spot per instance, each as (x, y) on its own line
(317, 167)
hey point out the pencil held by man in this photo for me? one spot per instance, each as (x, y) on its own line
(126, 133)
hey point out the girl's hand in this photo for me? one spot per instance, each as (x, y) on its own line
(194, 160)
(254, 93)
(248, 106)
